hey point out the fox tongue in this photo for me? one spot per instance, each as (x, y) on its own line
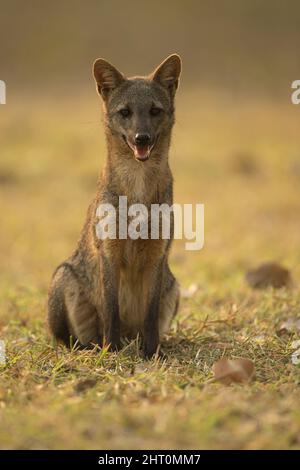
(141, 153)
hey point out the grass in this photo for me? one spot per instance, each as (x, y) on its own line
(241, 159)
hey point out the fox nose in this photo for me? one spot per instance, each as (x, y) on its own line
(142, 139)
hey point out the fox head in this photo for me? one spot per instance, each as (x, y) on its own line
(139, 111)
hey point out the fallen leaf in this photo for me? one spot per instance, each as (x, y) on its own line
(291, 325)
(245, 164)
(233, 370)
(190, 291)
(269, 274)
(84, 385)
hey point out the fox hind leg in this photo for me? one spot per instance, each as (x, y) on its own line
(169, 303)
(71, 316)
(57, 317)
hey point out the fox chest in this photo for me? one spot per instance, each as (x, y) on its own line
(136, 278)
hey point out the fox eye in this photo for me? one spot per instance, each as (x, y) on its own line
(125, 112)
(155, 111)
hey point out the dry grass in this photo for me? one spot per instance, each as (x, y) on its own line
(239, 157)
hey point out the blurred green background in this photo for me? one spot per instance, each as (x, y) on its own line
(236, 124)
(240, 45)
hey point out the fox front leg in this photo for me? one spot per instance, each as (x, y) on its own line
(151, 324)
(111, 304)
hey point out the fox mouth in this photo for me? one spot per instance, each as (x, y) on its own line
(141, 152)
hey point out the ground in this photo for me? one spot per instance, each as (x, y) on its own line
(237, 155)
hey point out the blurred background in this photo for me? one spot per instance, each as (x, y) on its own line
(236, 141)
(248, 46)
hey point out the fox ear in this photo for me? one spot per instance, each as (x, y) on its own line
(168, 72)
(107, 77)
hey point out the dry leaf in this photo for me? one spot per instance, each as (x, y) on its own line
(84, 385)
(233, 370)
(245, 164)
(190, 291)
(291, 325)
(269, 274)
